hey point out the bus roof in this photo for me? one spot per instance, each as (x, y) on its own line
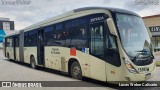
(106, 8)
(72, 12)
(13, 33)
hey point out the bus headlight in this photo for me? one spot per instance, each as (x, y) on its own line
(129, 66)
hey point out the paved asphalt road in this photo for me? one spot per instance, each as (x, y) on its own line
(13, 71)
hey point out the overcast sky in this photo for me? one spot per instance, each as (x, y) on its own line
(38, 10)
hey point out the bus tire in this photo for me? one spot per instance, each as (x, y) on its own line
(76, 71)
(33, 63)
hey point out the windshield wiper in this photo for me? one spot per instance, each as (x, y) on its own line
(143, 51)
(135, 57)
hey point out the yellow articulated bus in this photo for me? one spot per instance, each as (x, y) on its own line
(105, 44)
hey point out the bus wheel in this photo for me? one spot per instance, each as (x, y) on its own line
(33, 63)
(76, 71)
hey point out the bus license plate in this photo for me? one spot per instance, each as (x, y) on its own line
(148, 75)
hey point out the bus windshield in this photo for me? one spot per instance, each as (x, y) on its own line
(133, 34)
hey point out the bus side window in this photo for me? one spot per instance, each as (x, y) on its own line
(49, 37)
(57, 35)
(16, 41)
(32, 38)
(8, 42)
(81, 34)
(76, 33)
(11, 42)
(26, 41)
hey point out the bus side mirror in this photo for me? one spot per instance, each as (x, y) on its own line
(111, 26)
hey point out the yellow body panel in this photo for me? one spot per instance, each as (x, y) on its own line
(17, 54)
(9, 50)
(28, 51)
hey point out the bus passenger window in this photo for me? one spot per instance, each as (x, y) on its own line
(76, 33)
(11, 42)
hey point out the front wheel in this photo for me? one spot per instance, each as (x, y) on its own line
(76, 71)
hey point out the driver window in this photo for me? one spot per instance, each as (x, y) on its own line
(112, 52)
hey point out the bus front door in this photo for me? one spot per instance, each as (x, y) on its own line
(97, 45)
(40, 47)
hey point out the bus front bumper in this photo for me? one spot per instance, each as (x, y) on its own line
(140, 77)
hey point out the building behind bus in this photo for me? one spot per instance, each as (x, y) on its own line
(153, 23)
